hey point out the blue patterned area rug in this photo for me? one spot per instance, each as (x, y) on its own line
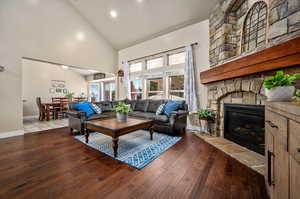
(135, 149)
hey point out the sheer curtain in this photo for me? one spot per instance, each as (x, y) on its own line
(126, 80)
(190, 81)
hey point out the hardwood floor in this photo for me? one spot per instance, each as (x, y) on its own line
(52, 164)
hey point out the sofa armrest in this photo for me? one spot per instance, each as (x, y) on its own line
(178, 116)
(76, 114)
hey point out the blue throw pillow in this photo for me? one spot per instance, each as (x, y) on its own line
(85, 107)
(170, 107)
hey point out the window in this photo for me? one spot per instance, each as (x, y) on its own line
(94, 92)
(155, 63)
(176, 87)
(178, 58)
(155, 88)
(136, 67)
(136, 87)
(109, 91)
(254, 30)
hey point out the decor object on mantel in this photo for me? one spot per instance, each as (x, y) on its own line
(122, 111)
(206, 118)
(297, 96)
(280, 86)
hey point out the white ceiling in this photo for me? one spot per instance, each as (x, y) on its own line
(137, 22)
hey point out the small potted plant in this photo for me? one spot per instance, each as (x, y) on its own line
(280, 86)
(297, 96)
(206, 118)
(70, 95)
(122, 111)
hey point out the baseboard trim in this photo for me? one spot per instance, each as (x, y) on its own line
(30, 117)
(11, 134)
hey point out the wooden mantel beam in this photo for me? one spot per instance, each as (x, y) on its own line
(280, 56)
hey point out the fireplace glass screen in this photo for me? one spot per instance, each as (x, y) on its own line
(244, 125)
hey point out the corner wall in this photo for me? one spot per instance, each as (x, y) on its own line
(36, 82)
(43, 30)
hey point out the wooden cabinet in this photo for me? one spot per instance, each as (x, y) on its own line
(270, 162)
(294, 159)
(283, 150)
(294, 179)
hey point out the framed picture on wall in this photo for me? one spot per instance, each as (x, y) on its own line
(61, 85)
(58, 83)
(58, 90)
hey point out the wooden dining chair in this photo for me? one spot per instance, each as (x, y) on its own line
(43, 111)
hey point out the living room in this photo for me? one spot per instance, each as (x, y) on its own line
(180, 99)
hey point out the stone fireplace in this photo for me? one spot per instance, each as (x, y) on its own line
(246, 90)
(249, 41)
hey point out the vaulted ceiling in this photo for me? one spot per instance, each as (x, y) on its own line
(140, 20)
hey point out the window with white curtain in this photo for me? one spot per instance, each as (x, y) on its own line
(155, 63)
(136, 67)
(165, 82)
(177, 58)
(155, 88)
(176, 87)
(136, 87)
(109, 91)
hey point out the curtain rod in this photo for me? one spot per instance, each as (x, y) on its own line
(193, 44)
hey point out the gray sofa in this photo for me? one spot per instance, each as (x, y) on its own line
(173, 124)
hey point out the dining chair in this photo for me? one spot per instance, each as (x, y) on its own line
(43, 111)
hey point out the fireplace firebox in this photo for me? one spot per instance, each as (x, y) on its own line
(244, 125)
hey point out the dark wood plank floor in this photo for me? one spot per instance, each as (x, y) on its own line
(52, 164)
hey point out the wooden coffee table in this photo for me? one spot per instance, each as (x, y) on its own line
(115, 129)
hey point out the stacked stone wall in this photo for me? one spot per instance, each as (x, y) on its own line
(226, 27)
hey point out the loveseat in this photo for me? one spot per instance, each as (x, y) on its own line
(172, 124)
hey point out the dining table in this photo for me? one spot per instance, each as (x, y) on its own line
(50, 106)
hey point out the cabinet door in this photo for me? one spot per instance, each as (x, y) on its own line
(270, 163)
(294, 179)
(281, 171)
(294, 150)
(277, 125)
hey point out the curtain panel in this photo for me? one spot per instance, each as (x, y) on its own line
(190, 81)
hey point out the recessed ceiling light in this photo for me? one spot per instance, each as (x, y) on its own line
(64, 67)
(140, 1)
(80, 36)
(113, 13)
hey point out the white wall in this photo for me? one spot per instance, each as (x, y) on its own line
(195, 33)
(46, 30)
(36, 82)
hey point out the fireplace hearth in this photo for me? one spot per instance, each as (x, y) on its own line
(244, 125)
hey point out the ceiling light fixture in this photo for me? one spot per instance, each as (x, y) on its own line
(113, 14)
(80, 36)
(64, 67)
(140, 1)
